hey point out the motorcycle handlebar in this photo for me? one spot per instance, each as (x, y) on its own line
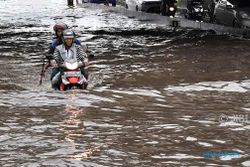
(80, 64)
(61, 65)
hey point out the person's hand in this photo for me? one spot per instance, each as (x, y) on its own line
(49, 56)
(86, 63)
(55, 65)
(47, 66)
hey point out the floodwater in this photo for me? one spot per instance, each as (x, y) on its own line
(157, 97)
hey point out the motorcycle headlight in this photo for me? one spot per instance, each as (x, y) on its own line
(71, 66)
(245, 15)
(196, 9)
(171, 9)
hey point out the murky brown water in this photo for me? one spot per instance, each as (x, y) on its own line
(156, 96)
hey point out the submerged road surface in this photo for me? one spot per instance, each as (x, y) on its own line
(157, 97)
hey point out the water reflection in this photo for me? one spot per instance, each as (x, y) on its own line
(74, 131)
(73, 126)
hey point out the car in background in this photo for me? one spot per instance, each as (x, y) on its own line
(106, 2)
(150, 6)
(234, 13)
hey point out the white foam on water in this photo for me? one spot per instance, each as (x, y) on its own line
(189, 138)
(221, 86)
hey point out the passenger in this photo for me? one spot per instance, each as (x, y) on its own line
(59, 28)
(68, 50)
(58, 40)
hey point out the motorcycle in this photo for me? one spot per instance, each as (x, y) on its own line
(195, 11)
(168, 8)
(171, 9)
(71, 76)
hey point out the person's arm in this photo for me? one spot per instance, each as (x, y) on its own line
(81, 55)
(53, 47)
(57, 57)
(49, 56)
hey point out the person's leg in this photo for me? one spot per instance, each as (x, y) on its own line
(55, 83)
(84, 72)
(86, 75)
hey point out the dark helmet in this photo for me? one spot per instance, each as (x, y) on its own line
(68, 34)
(60, 25)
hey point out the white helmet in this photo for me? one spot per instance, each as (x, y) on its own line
(68, 34)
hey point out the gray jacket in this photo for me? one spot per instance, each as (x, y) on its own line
(74, 52)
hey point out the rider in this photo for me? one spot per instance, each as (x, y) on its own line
(59, 28)
(68, 50)
(58, 40)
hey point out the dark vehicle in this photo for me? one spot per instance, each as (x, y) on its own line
(195, 10)
(150, 6)
(106, 2)
(168, 8)
(234, 13)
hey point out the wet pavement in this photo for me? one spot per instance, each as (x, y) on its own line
(157, 96)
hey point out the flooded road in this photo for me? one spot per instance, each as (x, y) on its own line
(157, 97)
